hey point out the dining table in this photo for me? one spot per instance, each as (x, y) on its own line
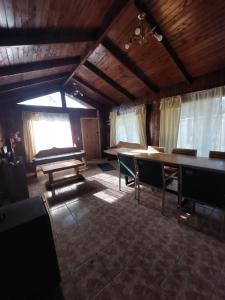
(170, 159)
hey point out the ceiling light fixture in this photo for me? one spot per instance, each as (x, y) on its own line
(76, 92)
(142, 32)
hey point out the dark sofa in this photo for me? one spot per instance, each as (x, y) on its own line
(57, 154)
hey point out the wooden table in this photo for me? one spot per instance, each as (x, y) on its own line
(172, 159)
(61, 166)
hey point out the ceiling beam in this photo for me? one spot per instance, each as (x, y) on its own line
(40, 36)
(29, 93)
(35, 66)
(87, 99)
(36, 81)
(129, 64)
(94, 89)
(166, 44)
(110, 19)
(109, 80)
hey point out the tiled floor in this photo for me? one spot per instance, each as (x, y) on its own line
(109, 247)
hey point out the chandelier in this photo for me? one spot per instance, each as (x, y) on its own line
(76, 92)
(142, 32)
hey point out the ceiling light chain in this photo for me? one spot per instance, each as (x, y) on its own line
(142, 32)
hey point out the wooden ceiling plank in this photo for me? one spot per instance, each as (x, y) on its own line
(22, 84)
(173, 55)
(94, 89)
(35, 66)
(122, 58)
(40, 36)
(27, 93)
(109, 80)
(110, 20)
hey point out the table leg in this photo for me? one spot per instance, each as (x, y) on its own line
(76, 171)
(50, 175)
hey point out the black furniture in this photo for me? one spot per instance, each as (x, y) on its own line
(151, 173)
(217, 154)
(28, 262)
(13, 183)
(203, 185)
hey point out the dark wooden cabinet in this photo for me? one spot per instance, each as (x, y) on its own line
(13, 183)
(27, 254)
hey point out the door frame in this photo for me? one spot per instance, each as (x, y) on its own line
(99, 133)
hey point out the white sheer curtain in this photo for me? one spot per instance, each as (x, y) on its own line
(202, 121)
(52, 130)
(112, 118)
(169, 122)
(44, 131)
(131, 125)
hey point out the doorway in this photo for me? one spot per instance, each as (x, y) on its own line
(91, 137)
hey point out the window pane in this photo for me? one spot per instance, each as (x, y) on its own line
(53, 100)
(72, 102)
(52, 130)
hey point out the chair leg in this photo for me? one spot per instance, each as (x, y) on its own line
(163, 200)
(119, 181)
(135, 188)
(193, 206)
(138, 193)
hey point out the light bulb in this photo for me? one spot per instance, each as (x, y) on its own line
(127, 46)
(159, 37)
(137, 30)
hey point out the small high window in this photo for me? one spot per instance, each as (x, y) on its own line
(53, 100)
(73, 102)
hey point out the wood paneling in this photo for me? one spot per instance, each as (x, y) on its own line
(196, 31)
(109, 80)
(103, 59)
(53, 13)
(110, 19)
(34, 74)
(90, 92)
(152, 58)
(103, 86)
(32, 82)
(26, 54)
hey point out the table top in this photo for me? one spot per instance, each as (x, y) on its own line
(173, 159)
(115, 151)
(62, 165)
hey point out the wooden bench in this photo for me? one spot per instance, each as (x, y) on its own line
(50, 169)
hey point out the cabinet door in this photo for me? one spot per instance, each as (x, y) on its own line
(91, 137)
(15, 182)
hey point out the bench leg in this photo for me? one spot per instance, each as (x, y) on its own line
(84, 161)
(76, 171)
(50, 175)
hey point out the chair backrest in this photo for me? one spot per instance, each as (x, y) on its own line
(203, 185)
(159, 149)
(190, 152)
(126, 164)
(150, 172)
(217, 154)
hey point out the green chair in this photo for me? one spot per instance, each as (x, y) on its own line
(127, 168)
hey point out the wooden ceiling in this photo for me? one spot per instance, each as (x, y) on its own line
(55, 43)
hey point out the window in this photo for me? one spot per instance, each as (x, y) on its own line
(202, 122)
(52, 130)
(127, 128)
(72, 102)
(53, 100)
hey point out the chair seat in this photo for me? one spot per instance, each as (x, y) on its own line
(170, 170)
